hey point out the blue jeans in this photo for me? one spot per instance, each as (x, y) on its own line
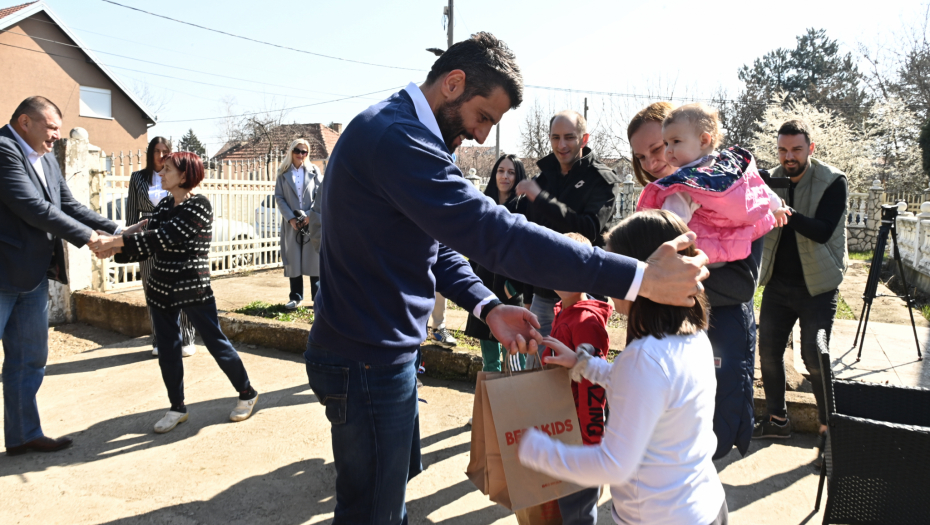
(580, 508)
(24, 330)
(167, 329)
(375, 432)
(543, 308)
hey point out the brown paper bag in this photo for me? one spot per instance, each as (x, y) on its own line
(482, 427)
(546, 514)
(541, 399)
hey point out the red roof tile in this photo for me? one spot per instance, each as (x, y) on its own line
(322, 140)
(7, 11)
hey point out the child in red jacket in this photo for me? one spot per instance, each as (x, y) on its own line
(583, 321)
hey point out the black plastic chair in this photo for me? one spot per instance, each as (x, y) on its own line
(877, 460)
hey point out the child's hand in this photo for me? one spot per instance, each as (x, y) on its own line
(564, 356)
(781, 216)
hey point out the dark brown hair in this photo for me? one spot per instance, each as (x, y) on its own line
(34, 107)
(190, 165)
(795, 127)
(149, 168)
(638, 236)
(488, 64)
(655, 112)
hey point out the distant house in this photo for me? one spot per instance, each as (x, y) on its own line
(322, 140)
(39, 55)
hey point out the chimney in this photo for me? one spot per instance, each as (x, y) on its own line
(337, 127)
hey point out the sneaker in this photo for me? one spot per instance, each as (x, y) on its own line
(769, 429)
(292, 305)
(188, 351)
(155, 351)
(243, 409)
(171, 420)
(469, 421)
(443, 337)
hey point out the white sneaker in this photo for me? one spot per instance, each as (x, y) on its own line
(188, 351)
(171, 420)
(243, 409)
(155, 351)
(292, 305)
(469, 421)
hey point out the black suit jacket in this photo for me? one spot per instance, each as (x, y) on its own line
(29, 212)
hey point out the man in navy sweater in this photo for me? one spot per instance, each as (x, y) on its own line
(397, 215)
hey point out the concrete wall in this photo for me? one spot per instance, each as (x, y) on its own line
(36, 71)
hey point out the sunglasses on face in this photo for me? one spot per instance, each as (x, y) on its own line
(301, 152)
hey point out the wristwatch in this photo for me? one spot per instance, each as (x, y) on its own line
(486, 309)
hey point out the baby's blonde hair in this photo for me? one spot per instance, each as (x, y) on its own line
(577, 237)
(703, 118)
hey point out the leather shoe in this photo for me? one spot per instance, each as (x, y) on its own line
(41, 444)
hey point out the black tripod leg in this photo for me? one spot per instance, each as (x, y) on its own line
(865, 303)
(864, 325)
(907, 293)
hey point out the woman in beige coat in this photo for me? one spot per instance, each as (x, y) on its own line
(296, 190)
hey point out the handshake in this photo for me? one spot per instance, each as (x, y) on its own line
(105, 245)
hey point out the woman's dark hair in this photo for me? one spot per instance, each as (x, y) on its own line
(655, 112)
(487, 62)
(638, 236)
(519, 175)
(149, 168)
(190, 165)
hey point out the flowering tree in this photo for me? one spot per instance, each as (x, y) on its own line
(837, 142)
(893, 133)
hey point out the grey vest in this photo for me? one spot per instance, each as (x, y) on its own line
(824, 264)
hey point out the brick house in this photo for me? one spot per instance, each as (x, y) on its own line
(322, 140)
(39, 55)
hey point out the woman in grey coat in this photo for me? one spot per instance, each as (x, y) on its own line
(296, 191)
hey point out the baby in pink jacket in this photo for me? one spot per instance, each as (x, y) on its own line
(720, 195)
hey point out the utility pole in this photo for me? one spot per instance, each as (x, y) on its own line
(449, 28)
(585, 103)
(497, 147)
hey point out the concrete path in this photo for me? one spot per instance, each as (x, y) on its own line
(105, 390)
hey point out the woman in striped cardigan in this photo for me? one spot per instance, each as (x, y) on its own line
(145, 192)
(178, 237)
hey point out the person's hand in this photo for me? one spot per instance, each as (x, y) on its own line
(515, 328)
(671, 278)
(562, 355)
(781, 216)
(136, 228)
(107, 242)
(106, 254)
(293, 223)
(529, 188)
(94, 242)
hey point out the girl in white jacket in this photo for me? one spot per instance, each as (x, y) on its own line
(657, 446)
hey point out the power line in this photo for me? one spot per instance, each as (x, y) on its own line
(261, 41)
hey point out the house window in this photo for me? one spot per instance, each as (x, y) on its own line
(95, 103)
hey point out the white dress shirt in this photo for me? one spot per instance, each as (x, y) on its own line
(156, 193)
(298, 175)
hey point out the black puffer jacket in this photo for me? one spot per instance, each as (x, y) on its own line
(580, 201)
(497, 283)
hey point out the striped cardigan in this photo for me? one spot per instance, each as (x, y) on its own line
(178, 238)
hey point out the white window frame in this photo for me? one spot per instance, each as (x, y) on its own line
(96, 110)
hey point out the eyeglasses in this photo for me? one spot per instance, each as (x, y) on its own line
(301, 152)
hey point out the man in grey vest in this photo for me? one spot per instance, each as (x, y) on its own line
(802, 267)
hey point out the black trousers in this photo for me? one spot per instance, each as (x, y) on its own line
(782, 305)
(297, 287)
(204, 318)
(732, 335)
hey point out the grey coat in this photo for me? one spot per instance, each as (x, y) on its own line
(298, 259)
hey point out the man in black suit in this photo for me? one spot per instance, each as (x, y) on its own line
(38, 213)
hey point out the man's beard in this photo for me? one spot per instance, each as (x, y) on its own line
(451, 124)
(794, 172)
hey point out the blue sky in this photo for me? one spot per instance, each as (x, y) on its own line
(622, 46)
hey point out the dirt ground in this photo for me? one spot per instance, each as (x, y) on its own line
(105, 390)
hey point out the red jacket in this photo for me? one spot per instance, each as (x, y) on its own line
(586, 322)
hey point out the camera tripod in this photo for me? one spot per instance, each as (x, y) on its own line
(889, 214)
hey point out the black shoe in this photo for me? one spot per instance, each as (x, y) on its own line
(40, 444)
(769, 429)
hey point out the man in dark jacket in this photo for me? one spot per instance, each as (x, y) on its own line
(572, 194)
(37, 212)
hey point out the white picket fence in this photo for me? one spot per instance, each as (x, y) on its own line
(246, 223)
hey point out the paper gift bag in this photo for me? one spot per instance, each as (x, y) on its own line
(477, 457)
(546, 514)
(541, 399)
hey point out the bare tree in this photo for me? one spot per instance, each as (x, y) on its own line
(259, 124)
(156, 100)
(534, 136)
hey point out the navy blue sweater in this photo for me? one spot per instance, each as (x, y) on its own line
(397, 213)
